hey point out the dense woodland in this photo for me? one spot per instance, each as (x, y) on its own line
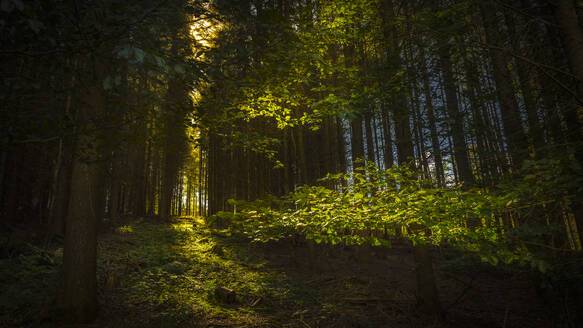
(439, 125)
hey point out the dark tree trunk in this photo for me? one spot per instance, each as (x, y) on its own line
(511, 118)
(370, 150)
(435, 144)
(464, 168)
(79, 297)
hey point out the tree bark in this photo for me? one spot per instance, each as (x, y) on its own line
(427, 297)
(459, 144)
(566, 17)
(435, 144)
(510, 113)
(525, 78)
(79, 297)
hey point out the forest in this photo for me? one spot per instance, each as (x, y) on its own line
(291, 163)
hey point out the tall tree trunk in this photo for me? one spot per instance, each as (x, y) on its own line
(457, 118)
(79, 297)
(566, 17)
(572, 31)
(427, 296)
(370, 151)
(356, 139)
(62, 176)
(301, 156)
(511, 118)
(526, 81)
(479, 124)
(388, 139)
(435, 144)
(61, 188)
(341, 146)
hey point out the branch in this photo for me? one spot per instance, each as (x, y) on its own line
(35, 140)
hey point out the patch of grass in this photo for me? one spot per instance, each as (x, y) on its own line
(166, 274)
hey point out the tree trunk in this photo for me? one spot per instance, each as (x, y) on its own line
(457, 126)
(388, 139)
(435, 145)
(427, 297)
(566, 17)
(370, 151)
(79, 297)
(61, 189)
(511, 118)
(525, 78)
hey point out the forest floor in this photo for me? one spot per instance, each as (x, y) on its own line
(160, 274)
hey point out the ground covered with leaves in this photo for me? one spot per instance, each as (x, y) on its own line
(160, 274)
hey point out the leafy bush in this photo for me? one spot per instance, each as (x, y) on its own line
(371, 205)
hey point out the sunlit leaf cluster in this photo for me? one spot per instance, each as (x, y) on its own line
(373, 206)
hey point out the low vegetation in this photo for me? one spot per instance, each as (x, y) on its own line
(155, 274)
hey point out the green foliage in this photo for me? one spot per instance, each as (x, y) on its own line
(317, 80)
(370, 205)
(125, 229)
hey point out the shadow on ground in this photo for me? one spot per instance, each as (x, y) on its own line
(160, 274)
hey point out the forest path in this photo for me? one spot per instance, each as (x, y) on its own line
(156, 274)
(165, 274)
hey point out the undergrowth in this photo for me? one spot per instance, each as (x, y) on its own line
(164, 274)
